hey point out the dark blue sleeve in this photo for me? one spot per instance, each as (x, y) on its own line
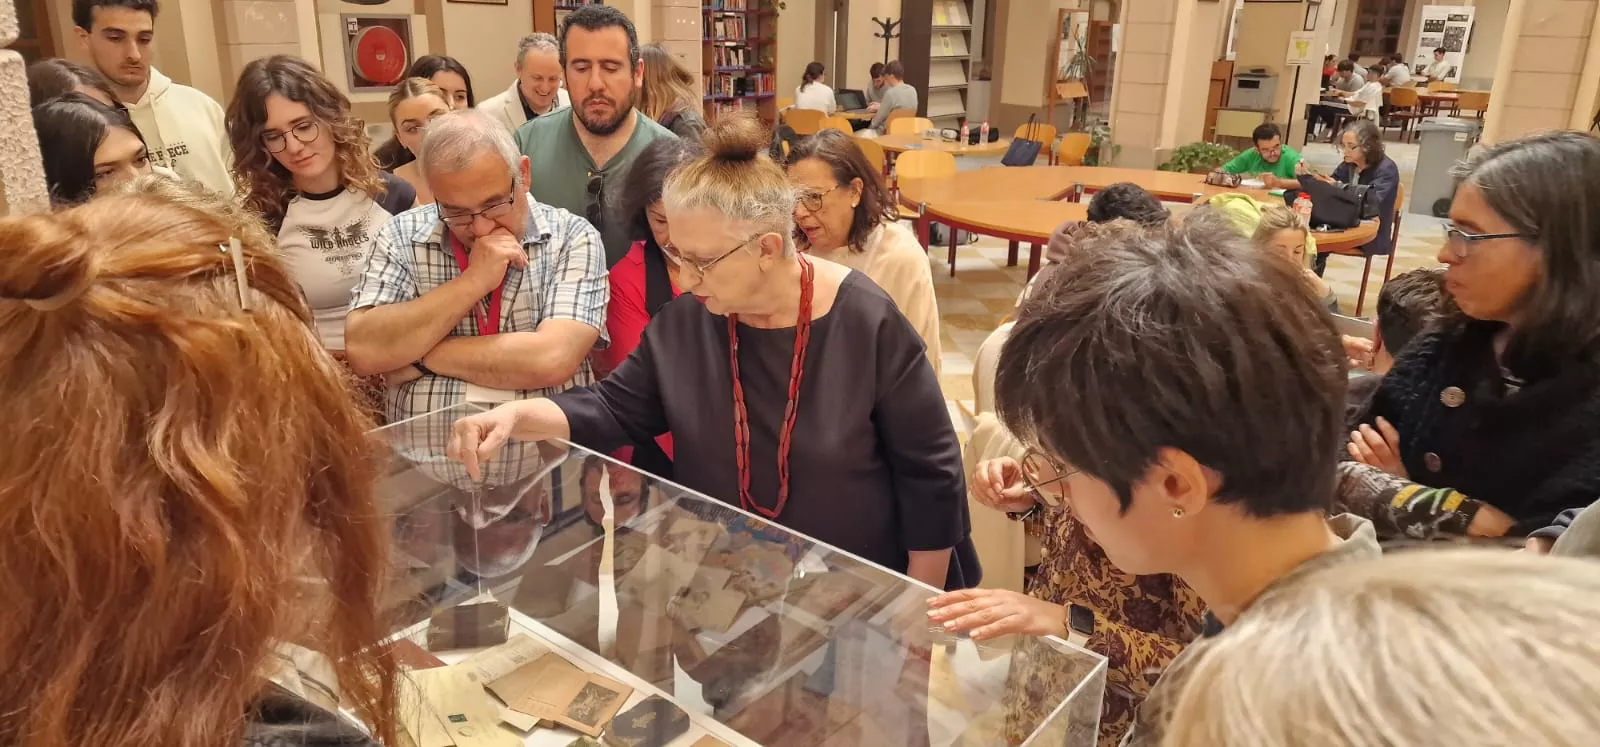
(1385, 180)
(398, 195)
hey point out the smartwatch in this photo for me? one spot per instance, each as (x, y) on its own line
(1024, 515)
(1080, 624)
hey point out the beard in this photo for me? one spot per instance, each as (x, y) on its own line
(620, 113)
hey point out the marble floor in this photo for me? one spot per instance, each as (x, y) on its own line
(984, 290)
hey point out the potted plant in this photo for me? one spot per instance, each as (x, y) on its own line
(1198, 158)
(1101, 150)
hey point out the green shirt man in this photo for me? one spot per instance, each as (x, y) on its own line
(1270, 158)
(565, 175)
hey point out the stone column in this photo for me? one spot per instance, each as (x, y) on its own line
(1548, 72)
(1162, 71)
(22, 185)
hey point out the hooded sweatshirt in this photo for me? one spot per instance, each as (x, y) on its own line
(183, 129)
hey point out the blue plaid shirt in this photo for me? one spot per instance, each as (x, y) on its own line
(565, 279)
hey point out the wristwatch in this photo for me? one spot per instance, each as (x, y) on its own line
(424, 370)
(1079, 624)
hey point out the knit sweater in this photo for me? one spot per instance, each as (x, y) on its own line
(1531, 450)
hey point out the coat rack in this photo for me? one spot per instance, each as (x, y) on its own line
(888, 25)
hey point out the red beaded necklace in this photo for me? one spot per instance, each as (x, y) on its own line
(741, 418)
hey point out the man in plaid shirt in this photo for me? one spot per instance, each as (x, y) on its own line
(485, 295)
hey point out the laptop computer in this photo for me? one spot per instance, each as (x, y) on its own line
(850, 99)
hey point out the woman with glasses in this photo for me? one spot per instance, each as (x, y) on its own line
(1364, 163)
(1489, 424)
(86, 147)
(792, 386)
(1182, 396)
(412, 105)
(302, 162)
(844, 215)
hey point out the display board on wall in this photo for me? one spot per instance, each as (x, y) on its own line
(1447, 26)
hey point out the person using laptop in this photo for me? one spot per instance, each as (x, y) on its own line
(898, 95)
(875, 91)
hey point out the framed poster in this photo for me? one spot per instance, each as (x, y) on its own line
(1447, 26)
(1311, 16)
(377, 51)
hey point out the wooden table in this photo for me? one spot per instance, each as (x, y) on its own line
(1025, 203)
(902, 143)
(860, 114)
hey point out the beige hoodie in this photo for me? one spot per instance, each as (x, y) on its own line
(183, 129)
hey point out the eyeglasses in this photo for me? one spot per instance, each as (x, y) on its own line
(1461, 243)
(493, 212)
(596, 191)
(812, 201)
(1039, 470)
(306, 131)
(701, 268)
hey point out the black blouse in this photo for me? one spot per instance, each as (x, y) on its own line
(875, 467)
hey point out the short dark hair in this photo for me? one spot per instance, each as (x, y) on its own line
(1265, 131)
(1407, 304)
(50, 78)
(1346, 66)
(1183, 337)
(846, 161)
(1129, 201)
(1369, 139)
(876, 71)
(895, 69)
(70, 128)
(649, 171)
(83, 10)
(1440, 50)
(1353, 56)
(1546, 186)
(1327, 58)
(595, 18)
(430, 65)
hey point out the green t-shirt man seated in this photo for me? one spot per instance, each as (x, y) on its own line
(1270, 158)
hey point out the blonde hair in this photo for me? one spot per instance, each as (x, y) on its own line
(667, 86)
(1468, 648)
(1275, 218)
(411, 88)
(736, 177)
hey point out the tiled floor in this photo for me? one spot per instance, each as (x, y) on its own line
(984, 290)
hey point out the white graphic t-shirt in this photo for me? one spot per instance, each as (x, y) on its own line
(325, 240)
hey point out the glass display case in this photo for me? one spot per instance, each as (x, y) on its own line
(567, 596)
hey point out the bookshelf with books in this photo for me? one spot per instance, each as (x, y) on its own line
(936, 49)
(740, 47)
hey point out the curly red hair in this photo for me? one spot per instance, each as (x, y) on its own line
(186, 485)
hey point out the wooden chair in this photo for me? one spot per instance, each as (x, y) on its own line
(1472, 101)
(803, 121)
(1044, 133)
(1404, 107)
(837, 123)
(1441, 86)
(907, 125)
(1072, 148)
(928, 164)
(1394, 246)
(874, 153)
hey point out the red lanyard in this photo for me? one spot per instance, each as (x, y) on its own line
(488, 321)
(741, 418)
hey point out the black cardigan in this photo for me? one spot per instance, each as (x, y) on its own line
(1532, 453)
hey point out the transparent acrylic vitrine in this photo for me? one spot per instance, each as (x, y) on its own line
(758, 635)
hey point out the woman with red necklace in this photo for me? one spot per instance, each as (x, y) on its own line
(791, 385)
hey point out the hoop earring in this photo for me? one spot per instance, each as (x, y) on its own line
(1177, 513)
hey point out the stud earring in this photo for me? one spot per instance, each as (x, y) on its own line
(1177, 513)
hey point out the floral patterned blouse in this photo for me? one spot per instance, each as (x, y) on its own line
(1141, 622)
